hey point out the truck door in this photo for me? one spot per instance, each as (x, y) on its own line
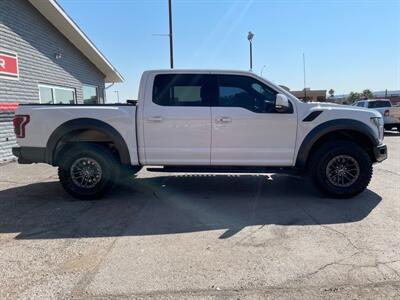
(247, 129)
(177, 121)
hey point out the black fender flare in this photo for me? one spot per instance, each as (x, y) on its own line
(87, 124)
(327, 127)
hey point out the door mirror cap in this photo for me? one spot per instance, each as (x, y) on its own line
(282, 103)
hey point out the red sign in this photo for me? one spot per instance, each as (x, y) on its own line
(8, 106)
(8, 65)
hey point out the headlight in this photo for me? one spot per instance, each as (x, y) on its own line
(378, 122)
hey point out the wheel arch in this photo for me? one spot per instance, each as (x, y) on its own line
(336, 129)
(85, 130)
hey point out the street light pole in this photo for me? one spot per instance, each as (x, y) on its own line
(304, 73)
(251, 56)
(171, 45)
(250, 38)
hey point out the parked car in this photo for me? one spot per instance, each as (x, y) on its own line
(203, 121)
(390, 113)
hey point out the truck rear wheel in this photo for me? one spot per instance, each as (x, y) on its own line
(341, 169)
(88, 171)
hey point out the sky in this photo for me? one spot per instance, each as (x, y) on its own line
(348, 45)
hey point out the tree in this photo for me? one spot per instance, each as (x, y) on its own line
(353, 97)
(331, 93)
(367, 94)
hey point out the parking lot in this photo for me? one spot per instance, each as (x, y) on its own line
(199, 236)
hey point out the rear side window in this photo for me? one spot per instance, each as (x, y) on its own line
(247, 93)
(180, 90)
(378, 104)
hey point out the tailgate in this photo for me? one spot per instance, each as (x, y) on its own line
(395, 112)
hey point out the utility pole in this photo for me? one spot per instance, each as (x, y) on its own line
(250, 38)
(171, 45)
(304, 74)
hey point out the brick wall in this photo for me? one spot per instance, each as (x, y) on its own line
(25, 31)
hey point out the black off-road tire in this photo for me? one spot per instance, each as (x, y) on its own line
(97, 155)
(332, 150)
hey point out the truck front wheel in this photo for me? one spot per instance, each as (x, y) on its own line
(341, 169)
(88, 171)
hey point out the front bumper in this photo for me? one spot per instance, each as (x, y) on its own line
(29, 155)
(380, 152)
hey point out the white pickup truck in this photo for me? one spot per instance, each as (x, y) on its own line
(203, 121)
(390, 113)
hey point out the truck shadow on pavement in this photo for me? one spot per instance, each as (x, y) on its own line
(175, 204)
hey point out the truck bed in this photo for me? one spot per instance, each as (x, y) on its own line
(45, 119)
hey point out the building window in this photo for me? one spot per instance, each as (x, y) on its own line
(49, 94)
(90, 94)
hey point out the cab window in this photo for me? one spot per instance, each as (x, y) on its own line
(379, 104)
(181, 90)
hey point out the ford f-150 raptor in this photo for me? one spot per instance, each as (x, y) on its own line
(203, 121)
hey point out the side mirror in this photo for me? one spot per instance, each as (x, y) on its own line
(282, 103)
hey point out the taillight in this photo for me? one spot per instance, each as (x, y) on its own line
(386, 113)
(20, 122)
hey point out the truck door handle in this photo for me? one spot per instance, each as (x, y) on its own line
(223, 119)
(155, 119)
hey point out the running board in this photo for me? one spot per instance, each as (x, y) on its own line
(197, 169)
